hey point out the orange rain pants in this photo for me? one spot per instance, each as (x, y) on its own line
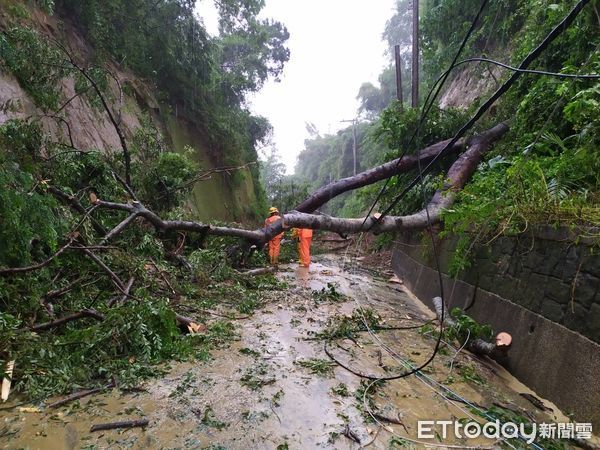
(305, 235)
(275, 243)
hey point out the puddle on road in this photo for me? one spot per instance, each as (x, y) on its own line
(254, 394)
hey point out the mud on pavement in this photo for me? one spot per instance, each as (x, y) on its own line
(276, 388)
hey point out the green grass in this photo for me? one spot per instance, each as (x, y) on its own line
(341, 390)
(256, 377)
(321, 367)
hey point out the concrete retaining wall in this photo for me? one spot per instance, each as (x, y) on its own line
(543, 289)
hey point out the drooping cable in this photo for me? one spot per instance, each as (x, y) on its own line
(428, 105)
(556, 31)
(425, 112)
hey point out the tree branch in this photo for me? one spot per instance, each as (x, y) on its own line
(123, 424)
(14, 270)
(58, 322)
(120, 134)
(113, 276)
(179, 225)
(477, 345)
(62, 291)
(387, 170)
(119, 228)
(72, 201)
(125, 293)
(79, 395)
(458, 174)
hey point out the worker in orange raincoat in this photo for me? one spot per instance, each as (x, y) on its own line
(304, 237)
(275, 243)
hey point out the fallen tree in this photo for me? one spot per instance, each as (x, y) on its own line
(395, 167)
(458, 174)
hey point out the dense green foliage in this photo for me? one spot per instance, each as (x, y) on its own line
(136, 333)
(200, 78)
(45, 184)
(37, 64)
(546, 169)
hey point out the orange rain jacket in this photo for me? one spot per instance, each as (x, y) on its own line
(304, 236)
(275, 243)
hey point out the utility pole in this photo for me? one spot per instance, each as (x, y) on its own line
(353, 140)
(415, 54)
(398, 75)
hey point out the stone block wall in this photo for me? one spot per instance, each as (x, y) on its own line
(547, 271)
(541, 287)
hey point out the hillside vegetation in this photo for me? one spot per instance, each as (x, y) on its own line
(179, 72)
(546, 170)
(149, 79)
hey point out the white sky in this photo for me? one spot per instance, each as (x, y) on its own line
(335, 46)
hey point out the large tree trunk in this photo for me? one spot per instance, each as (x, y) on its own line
(401, 165)
(389, 169)
(458, 174)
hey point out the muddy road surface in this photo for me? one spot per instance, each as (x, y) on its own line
(275, 387)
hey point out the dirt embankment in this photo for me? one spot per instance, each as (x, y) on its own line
(84, 126)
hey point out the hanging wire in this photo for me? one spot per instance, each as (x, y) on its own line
(419, 180)
(431, 97)
(557, 30)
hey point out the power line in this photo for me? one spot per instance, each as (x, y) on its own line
(427, 107)
(499, 92)
(415, 134)
(556, 31)
(516, 73)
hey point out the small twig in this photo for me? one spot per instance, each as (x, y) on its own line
(113, 276)
(80, 394)
(125, 185)
(58, 322)
(125, 294)
(162, 275)
(114, 77)
(13, 270)
(274, 412)
(73, 97)
(96, 247)
(119, 228)
(123, 424)
(206, 174)
(58, 119)
(180, 244)
(59, 292)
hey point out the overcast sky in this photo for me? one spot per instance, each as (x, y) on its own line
(335, 46)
